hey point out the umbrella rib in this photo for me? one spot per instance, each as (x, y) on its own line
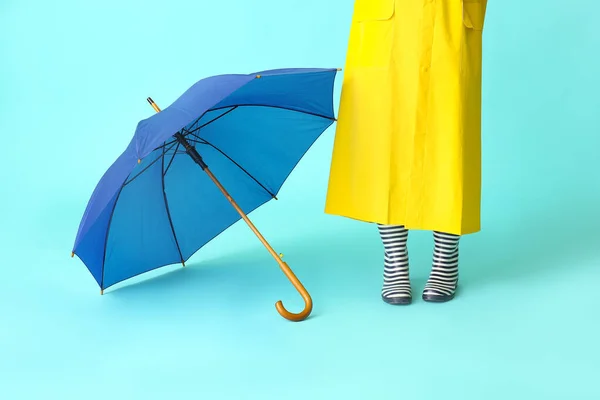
(167, 204)
(171, 160)
(240, 167)
(200, 127)
(211, 121)
(127, 182)
(278, 107)
(110, 218)
(196, 141)
(200, 140)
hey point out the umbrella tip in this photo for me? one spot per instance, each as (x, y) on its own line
(72, 254)
(139, 160)
(101, 292)
(339, 69)
(258, 76)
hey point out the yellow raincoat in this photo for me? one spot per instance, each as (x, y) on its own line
(408, 142)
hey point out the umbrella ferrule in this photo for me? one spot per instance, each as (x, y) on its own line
(191, 150)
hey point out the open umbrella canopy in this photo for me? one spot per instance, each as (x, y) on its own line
(154, 207)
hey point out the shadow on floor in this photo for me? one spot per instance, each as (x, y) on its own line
(548, 241)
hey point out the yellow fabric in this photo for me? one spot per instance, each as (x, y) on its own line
(408, 139)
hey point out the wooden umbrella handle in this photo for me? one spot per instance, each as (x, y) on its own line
(284, 267)
(308, 305)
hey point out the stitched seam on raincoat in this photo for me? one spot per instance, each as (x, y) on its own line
(461, 70)
(431, 15)
(390, 185)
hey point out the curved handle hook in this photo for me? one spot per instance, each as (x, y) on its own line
(308, 305)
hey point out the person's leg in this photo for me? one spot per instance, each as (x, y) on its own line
(443, 279)
(396, 283)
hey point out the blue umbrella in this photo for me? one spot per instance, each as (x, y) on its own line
(154, 207)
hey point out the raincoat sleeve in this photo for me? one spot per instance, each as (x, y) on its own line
(474, 13)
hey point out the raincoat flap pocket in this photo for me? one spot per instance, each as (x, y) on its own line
(474, 14)
(373, 10)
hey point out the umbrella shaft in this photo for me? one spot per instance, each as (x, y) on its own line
(191, 151)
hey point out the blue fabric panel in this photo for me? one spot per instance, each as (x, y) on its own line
(308, 91)
(198, 208)
(105, 192)
(91, 247)
(140, 237)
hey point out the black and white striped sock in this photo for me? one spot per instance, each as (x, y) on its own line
(396, 282)
(444, 273)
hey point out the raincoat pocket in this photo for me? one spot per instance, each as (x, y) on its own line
(371, 38)
(474, 14)
(373, 10)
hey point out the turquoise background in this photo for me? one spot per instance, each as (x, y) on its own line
(73, 83)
